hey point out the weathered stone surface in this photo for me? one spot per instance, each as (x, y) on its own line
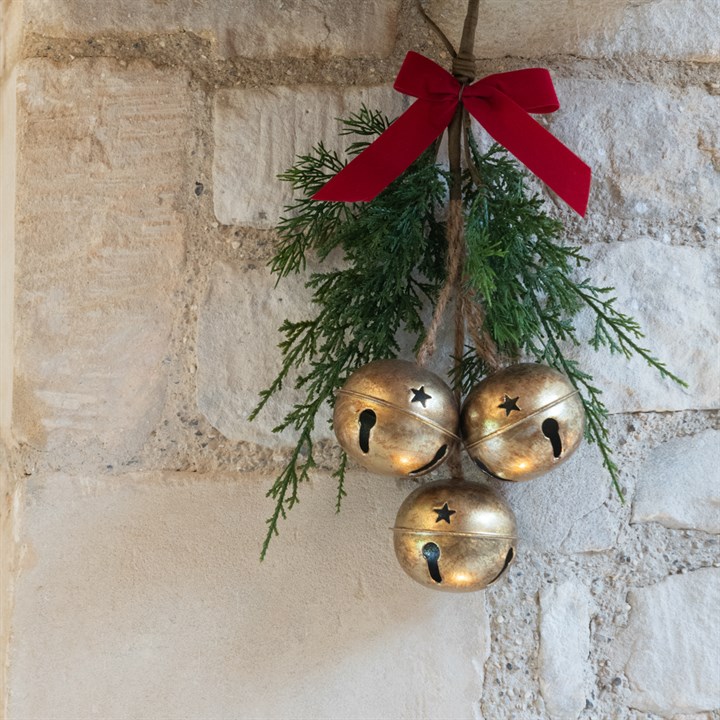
(673, 293)
(669, 649)
(564, 649)
(260, 28)
(10, 36)
(549, 507)
(595, 532)
(654, 152)
(143, 596)
(238, 354)
(101, 153)
(8, 169)
(259, 132)
(678, 484)
(664, 28)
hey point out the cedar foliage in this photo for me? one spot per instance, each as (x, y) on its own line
(517, 268)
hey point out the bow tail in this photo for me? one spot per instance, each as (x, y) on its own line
(540, 151)
(390, 154)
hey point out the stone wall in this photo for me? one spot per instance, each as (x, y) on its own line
(140, 142)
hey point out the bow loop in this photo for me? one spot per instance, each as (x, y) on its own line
(499, 102)
(421, 77)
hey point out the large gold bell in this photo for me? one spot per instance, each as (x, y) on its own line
(522, 421)
(395, 418)
(455, 535)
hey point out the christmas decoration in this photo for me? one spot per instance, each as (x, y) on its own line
(500, 103)
(455, 535)
(523, 421)
(396, 418)
(468, 239)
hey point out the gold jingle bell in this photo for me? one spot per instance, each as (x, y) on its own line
(455, 535)
(396, 418)
(523, 421)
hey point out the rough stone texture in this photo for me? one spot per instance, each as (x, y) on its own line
(8, 112)
(549, 507)
(260, 28)
(595, 532)
(678, 484)
(238, 354)
(658, 28)
(176, 606)
(564, 649)
(655, 152)
(673, 293)
(669, 649)
(100, 246)
(11, 34)
(259, 132)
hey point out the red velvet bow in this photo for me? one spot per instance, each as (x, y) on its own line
(500, 103)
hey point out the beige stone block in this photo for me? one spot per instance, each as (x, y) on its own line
(10, 34)
(8, 133)
(672, 291)
(654, 151)
(564, 649)
(251, 28)
(143, 597)
(260, 131)
(238, 354)
(669, 649)
(669, 29)
(101, 158)
(678, 484)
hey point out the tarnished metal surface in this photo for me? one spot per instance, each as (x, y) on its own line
(523, 421)
(454, 535)
(396, 418)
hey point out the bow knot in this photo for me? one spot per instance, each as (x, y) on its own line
(500, 103)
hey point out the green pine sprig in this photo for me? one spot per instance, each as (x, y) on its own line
(394, 257)
(517, 269)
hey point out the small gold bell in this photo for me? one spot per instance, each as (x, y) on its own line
(395, 418)
(523, 421)
(455, 535)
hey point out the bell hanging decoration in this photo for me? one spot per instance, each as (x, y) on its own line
(523, 421)
(395, 418)
(455, 535)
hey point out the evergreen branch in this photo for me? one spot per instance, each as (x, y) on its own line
(595, 411)
(394, 254)
(340, 475)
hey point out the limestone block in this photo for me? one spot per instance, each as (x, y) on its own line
(259, 28)
(11, 35)
(678, 484)
(669, 649)
(595, 532)
(549, 507)
(101, 154)
(564, 649)
(8, 167)
(672, 291)
(143, 597)
(660, 28)
(238, 354)
(260, 131)
(654, 151)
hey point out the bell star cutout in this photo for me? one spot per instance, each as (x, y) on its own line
(500, 103)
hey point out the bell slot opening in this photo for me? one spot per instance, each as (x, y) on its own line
(439, 455)
(551, 430)
(431, 553)
(368, 418)
(508, 559)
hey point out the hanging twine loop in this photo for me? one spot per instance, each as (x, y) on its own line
(463, 67)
